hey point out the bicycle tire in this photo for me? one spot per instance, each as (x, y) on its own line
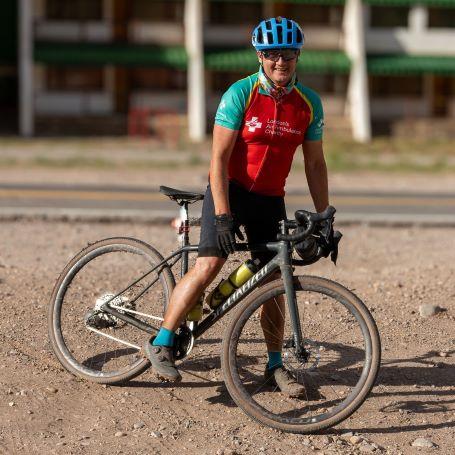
(144, 252)
(329, 291)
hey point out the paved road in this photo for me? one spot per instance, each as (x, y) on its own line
(92, 202)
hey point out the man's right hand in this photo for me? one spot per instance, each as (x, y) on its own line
(227, 229)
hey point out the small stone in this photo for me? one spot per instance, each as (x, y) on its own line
(23, 393)
(443, 354)
(51, 389)
(423, 442)
(59, 444)
(139, 425)
(355, 439)
(11, 404)
(347, 435)
(325, 440)
(156, 434)
(426, 310)
(9, 391)
(367, 448)
(120, 434)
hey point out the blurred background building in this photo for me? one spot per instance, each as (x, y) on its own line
(102, 66)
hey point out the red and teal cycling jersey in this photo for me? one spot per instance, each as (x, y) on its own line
(269, 132)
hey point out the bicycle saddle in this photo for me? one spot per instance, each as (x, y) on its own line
(181, 196)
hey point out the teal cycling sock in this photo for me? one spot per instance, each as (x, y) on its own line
(275, 360)
(165, 337)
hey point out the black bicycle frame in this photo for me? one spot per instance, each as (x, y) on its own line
(281, 261)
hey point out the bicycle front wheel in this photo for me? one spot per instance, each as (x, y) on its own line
(93, 344)
(342, 355)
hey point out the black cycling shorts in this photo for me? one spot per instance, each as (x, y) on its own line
(260, 215)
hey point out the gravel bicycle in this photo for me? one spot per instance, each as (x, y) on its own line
(114, 293)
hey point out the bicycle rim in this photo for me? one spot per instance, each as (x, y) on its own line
(93, 344)
(343, 354)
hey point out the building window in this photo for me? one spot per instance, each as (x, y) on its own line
(441, 17)
(75, 10)
(74, 79)
(314, 14)
(396, 86)
(157, 11)
(235, 13)
(383, 16)
(157, 79)
(335, 84)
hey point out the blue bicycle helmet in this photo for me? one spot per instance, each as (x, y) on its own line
(277, 33)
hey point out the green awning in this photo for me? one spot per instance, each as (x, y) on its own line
(307, 2)
(109, 54)
(309, 61)
(441, 3)
(410, 64)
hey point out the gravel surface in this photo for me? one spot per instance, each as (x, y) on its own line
(395, 271)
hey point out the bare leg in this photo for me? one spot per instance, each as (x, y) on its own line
(189, 288)
(272, 322)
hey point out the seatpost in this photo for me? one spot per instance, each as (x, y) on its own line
(185, 228)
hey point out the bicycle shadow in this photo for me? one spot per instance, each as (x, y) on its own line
(422, 376)
(421, 380)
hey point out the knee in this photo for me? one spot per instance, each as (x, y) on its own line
(207, 268)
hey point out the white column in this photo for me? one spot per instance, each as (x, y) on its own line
(418, 18)
(196, 80)
(358, 96)
(25, 63)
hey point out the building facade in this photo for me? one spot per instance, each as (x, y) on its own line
(93, 62)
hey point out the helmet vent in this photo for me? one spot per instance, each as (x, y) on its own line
(289, 36)
(299, 36)
(279, 31)
(260, 38)
(269, 37)
(268, 25)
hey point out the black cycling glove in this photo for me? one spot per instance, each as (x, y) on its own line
(331, 239)
(226, 230)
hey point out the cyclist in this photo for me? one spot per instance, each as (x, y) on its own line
(260, 122)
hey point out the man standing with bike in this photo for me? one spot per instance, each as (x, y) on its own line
(260, 122)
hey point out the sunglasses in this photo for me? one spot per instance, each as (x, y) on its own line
(286, 54)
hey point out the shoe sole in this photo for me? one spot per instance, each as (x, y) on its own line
(158, 374)
(288, 395)
(164, 378)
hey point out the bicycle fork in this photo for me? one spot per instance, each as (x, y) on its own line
(285, 253)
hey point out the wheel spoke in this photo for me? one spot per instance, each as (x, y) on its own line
(95, 344)
(330, 372)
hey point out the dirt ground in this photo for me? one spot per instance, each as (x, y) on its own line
(45, 410)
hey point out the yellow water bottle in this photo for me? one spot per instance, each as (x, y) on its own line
(236, 279)
(195, 314)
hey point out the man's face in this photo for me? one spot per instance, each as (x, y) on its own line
(279, 64)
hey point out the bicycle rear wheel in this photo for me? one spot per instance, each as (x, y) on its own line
(342, 344)
(90, 343)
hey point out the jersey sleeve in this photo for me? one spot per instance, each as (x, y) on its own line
(315, 128)
(231, 108)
